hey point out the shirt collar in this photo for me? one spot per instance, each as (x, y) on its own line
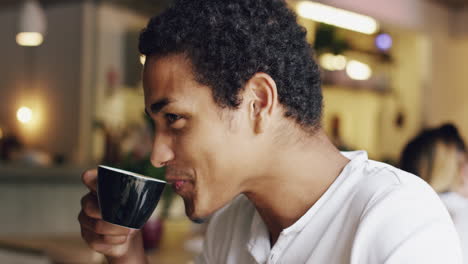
(259, 242)
(354, 157)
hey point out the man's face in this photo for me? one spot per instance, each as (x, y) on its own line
(208, 151)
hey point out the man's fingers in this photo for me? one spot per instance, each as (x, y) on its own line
(89, 204)
(89, 179)
(106, 244)
(102, 227)
(104, 239)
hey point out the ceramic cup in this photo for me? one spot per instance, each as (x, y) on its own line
(125, 198)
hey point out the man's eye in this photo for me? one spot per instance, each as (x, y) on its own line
(172, 118)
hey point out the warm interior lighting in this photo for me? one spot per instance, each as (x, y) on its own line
(29, 39)
(24, 115)
(337, 17)
(358, 71)
(1, 133)
(142, 59)
(332, 62)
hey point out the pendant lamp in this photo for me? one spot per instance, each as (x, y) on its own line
(32, 24)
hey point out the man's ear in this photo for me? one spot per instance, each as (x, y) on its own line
(263, 99)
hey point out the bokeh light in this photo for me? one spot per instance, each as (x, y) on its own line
(383, 41)
(332, 62)
(358, 71)
(24, 114)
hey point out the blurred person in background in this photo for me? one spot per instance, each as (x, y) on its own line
(236, 98)
(439, 157)
(10, 148)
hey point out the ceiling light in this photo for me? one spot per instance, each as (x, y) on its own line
(337, 17)
(32, 24)
(29, 39)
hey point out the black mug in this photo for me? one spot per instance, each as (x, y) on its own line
(125, 198)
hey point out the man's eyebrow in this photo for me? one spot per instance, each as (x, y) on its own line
(158, 105)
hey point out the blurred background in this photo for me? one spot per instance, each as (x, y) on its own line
(71, 98)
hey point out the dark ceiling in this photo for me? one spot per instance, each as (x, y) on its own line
(13, 3)
(452, 3)
(149, 7)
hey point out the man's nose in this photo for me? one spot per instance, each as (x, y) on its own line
(162, 152)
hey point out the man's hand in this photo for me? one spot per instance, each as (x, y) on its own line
(118, 244)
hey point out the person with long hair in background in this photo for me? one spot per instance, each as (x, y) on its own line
(439, 157)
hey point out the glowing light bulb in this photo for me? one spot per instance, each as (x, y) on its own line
(142, 59)
(29, 39)
(358, 71)
(24, 114)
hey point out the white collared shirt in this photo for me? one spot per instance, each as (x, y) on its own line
(372, 213)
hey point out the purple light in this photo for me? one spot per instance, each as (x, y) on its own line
(383, 42)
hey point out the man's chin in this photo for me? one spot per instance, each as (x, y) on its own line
(194, 217)
(193, 214)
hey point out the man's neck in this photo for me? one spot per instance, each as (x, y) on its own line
(298, 177)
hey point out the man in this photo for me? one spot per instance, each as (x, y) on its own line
(235, 95)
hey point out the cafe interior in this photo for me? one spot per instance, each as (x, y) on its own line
(71, 98)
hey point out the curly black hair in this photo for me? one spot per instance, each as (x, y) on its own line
(228, 41)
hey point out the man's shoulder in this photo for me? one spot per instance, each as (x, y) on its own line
(398, 215)
(379, 178)
(390, 193)
(371, 175)
(380, 185)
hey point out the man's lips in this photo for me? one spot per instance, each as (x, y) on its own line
(177, 183)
